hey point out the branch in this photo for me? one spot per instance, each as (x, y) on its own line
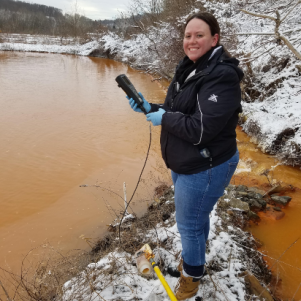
(6, 293)
(255, 58)
(258, 15)
(291, 47)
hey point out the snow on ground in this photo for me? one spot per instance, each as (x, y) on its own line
(114, 277)
(77, 49)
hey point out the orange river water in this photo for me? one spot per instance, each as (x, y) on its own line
(277, 236)
(64, 123)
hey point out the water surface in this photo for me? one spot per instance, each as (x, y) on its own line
(64, 123)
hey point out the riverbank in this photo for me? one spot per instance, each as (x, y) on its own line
(235, 269)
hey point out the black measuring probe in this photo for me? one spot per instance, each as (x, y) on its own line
(125, 84)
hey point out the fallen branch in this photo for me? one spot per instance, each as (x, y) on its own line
(258, 15)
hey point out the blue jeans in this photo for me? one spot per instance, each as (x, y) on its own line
(195, 197)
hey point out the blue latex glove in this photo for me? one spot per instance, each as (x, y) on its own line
(156, 117)
(134, 106)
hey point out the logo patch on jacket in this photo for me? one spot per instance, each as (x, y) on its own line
(213, 98)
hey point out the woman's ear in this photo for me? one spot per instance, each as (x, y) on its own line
(215, 40)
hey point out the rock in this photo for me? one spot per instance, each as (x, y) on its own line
(257, 289)
(275, 194)
(243, 188)
(241, 193)
(256, 190)
(238, 204)
(230, 187)
(282, 200)
(222, 204)
(257, 196)
(263, 203)
(277, 208)
(254, 205)
(253, 217)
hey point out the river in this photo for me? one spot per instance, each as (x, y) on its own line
(277, 236)
(65, 124)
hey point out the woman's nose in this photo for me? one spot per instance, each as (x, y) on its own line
(192, 40)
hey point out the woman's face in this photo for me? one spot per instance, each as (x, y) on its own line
(198, 39)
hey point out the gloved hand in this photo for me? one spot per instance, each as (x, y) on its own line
(156, 117)
(134, 106)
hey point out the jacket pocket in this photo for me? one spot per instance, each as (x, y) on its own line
(183, 156)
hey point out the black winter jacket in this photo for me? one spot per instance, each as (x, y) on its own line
(202, 113)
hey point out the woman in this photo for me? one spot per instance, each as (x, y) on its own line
(198, 139)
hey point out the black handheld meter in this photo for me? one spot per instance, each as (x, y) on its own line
(125, 84)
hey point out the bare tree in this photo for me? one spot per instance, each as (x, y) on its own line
(295, 7)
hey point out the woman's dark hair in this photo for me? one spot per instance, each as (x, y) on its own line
(210, 20)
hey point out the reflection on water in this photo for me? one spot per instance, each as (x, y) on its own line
(65, 123)
(277, 236)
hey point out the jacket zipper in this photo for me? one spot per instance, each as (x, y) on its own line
(178, 92)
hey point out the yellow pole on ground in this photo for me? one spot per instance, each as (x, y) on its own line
(149, 255)
(163, 281)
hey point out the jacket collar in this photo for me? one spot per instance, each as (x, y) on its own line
(218, 56)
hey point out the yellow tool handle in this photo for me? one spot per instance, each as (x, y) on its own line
(163, 281)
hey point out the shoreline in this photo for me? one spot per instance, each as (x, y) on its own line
(232, 258)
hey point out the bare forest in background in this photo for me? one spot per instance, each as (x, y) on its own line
(30, 18)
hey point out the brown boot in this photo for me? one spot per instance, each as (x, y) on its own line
(186, 287)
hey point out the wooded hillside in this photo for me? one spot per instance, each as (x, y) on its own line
(23, 17)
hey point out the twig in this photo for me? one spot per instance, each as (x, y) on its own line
(125, 203)
(211, 278)
(284, 252)
(276, 261)
(5, 292)
(215, 285)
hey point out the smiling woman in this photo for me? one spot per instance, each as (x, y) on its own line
(198, 139)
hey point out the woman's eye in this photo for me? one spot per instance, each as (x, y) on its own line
(199, 35)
